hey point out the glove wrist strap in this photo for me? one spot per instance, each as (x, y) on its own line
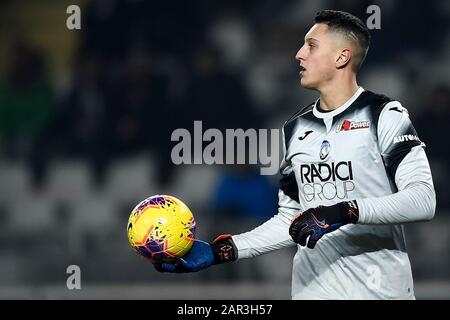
(342, 212)
(352, 211)
(224, 249)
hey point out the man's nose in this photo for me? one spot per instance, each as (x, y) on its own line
(300, 54)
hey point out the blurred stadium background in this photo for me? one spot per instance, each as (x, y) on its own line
(86, 117)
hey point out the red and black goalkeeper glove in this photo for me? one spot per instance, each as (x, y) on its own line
(224, 249)
(316, 222)
(203, 255)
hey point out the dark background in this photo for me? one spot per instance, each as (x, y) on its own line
(86, 118)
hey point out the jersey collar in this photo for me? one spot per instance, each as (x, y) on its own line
(348, 103)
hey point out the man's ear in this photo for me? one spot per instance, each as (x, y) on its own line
(344, 58)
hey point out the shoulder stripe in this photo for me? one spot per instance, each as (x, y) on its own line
(300, 113)
(289, 125)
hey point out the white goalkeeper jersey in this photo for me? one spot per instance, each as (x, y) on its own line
(365, 150)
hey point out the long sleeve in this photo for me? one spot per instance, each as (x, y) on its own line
(274, 233)
(405, 160)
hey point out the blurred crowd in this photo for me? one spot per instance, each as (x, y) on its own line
(145, 68)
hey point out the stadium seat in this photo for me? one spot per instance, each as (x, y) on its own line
(15, 182)
(194, 184)
(131, 180)
(69, 181)
(33, 214)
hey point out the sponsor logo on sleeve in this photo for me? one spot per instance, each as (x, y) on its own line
(406, 137)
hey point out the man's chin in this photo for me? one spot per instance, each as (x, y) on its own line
(305, 84)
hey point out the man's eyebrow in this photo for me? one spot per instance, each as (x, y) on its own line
(311, 40)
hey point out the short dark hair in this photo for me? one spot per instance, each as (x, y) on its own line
(349, 25)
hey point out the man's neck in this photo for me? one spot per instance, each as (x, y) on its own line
(334, 96)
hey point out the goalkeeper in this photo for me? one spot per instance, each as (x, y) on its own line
(354, 170)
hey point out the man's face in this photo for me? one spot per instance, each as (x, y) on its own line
(317, 57)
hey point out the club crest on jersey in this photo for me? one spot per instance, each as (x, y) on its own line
(348, 125)
(324, 149)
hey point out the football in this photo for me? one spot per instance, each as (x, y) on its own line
(161, 228)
